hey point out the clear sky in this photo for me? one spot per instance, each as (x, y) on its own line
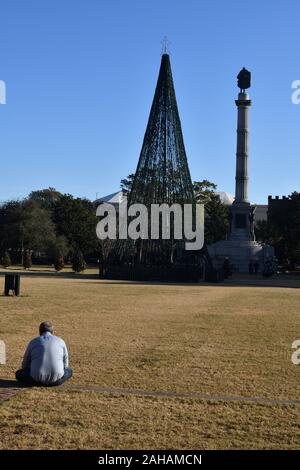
(81, 74)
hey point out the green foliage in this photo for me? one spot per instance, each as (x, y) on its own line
(49, 223)
(55, 224)
(27, 261)
(37, 227)
(76, 220)
(216, 213)
(204, 190)
(25, 225)
(59, 263)
(126, 183)
(46, 198)
(6, 261)
(59, 247)
(266, 232)
(78, 262)
(59, 250)
(11, 221)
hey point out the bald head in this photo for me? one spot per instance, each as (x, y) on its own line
(46, 326)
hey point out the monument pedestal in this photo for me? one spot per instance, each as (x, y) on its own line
(241, 223)
(240, 253)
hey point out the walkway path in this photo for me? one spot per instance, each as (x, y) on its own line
(9, 388)
(195, 396)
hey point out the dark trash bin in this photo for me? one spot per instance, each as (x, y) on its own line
(12, 282)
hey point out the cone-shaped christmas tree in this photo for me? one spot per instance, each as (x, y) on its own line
(162, 177)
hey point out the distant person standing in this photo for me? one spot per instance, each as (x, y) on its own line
(46, 360)
(227, 268)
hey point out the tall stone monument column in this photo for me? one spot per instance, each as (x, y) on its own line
(242, 217)
(241, 179)
(241, 248)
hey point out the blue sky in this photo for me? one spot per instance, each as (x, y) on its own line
(81, 74)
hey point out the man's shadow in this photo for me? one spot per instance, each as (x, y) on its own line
(10, 383)
(6, 383)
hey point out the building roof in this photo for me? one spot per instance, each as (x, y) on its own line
(114, 198)
(225, 197)
(119, 196)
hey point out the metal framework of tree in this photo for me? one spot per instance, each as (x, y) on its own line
(162, 176)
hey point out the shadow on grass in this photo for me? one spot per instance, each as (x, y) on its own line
(53, 274)
(289, 284)
(9, 383)
(281, 281)
(11, 295)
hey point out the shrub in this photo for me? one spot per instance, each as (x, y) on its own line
(59, 263)
(6, 261)
(27, 261)
(78, 263)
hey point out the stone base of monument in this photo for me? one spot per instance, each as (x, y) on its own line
(240, 253)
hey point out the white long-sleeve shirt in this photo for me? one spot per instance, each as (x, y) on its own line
(46, 357)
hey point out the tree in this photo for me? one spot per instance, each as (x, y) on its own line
(6, 261)
(59, 263)
(46, 198)
(58, 251)
(11, 216)
(126, 183)
(59, 247)
(47, 222)
(216, 213)
(27, 261)
(204, 190)
(76, 220)
(37, 227)
(78, 264)
(266, 232)
(25, 225)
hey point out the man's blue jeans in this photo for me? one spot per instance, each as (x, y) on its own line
(23, 375)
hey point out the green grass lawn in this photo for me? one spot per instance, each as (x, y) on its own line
(212, 339)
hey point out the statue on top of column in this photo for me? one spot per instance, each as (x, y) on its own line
(244, 79)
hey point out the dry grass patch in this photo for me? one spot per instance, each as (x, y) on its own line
(219, 340)
(48, 419)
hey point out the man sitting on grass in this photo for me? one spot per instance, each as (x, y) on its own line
(45, 361)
